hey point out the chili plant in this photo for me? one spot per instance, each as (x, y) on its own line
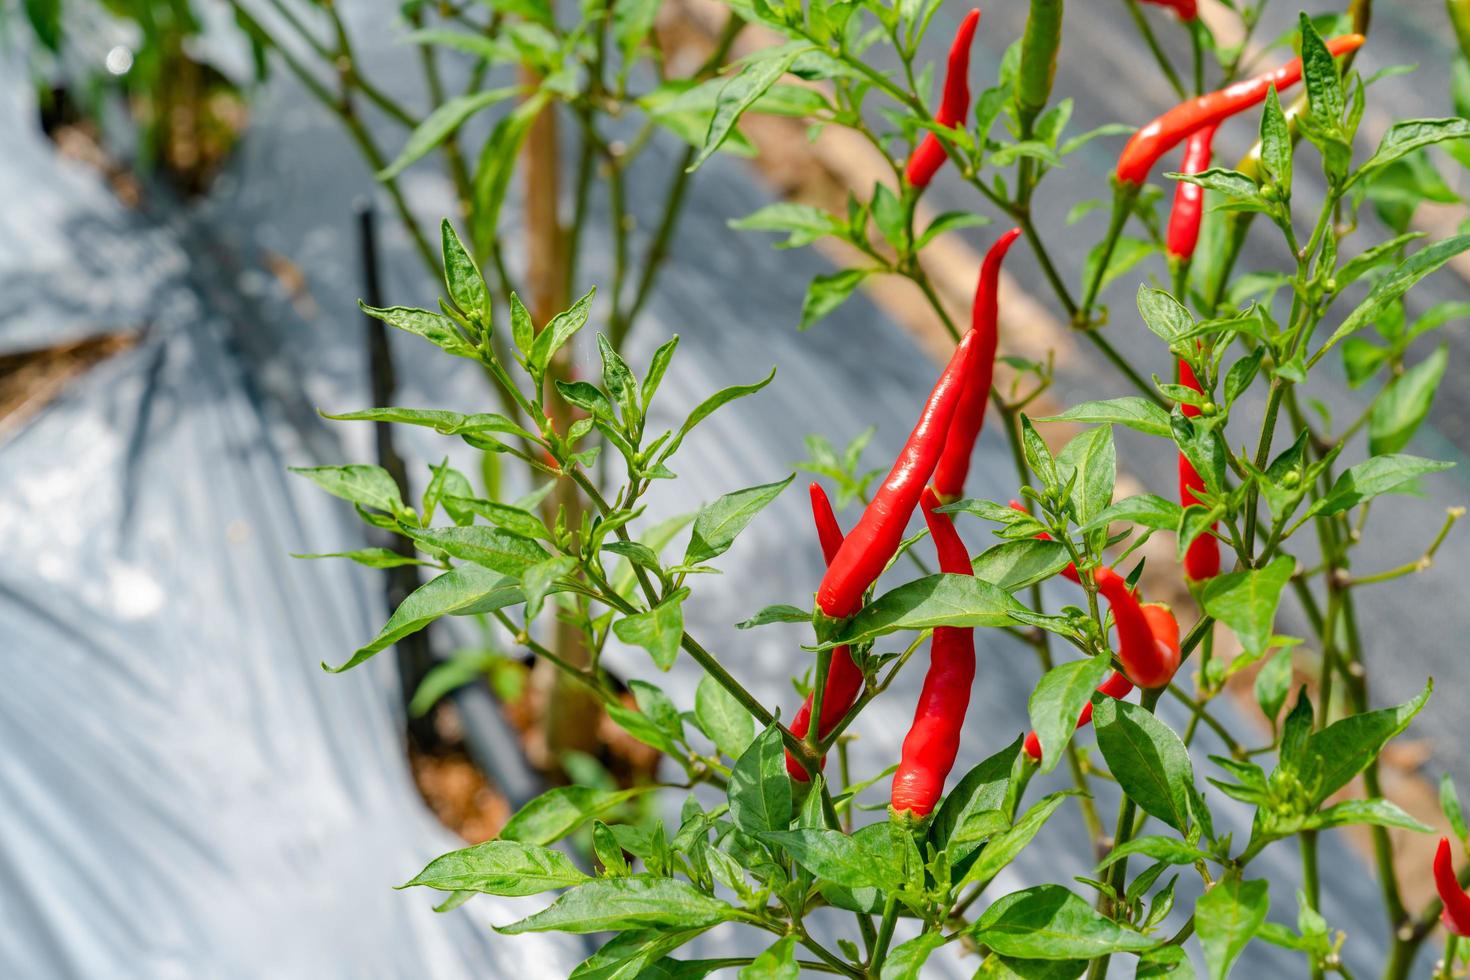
(769, 834)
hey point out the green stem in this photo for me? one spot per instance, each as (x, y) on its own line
(1170, 75)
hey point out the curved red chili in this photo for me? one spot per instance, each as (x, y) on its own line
(844, 680)
(969, 417)
(933, 740)
(1189, 199)
(1070, 572)
(878, 533)
(1202, 559)
(1148, 662)
(1456, 914)
(954, 106)
(1167, 131)
(1186, 9)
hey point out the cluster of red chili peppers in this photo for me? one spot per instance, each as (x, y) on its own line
(940, 446)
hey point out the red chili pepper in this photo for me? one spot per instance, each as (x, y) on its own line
(1456, 914)
(844, 680)
(1202, 559)
(1186, 9)
(1070, 572)
(969, 417)
(879, 531)
(954, 106)
(1165, 628)
(1189, 199)
(1147, 661)
(933, 740)
(1167, 131)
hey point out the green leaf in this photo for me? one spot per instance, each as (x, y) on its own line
(1226, 917)
(1235, 186)
(1132, 411)
(660, 630)
(501, 867)
(436, 127)
(1398, 412)
(625, 903)
(830, 855)
(719, 522)
(445, 423)
(1392, 286)
(539, 580)
(1324, 89)
(1368, 479)
(1146, 509)
(939, 600)
(1449, 802)
(1056, 702)
(982, 791)
(497, 164)
(707, 408)
(560, 811)
(1246, 601)
(760, 790)
(950, 221)
(778, 962)
(906, 960)
(804, 223)
(562, 328)
(829, 291)
(507, 516)
(371, 557)
(1170, 850)
(779, 613)
(740, 93)
(1014, 565)
(1370, 258)
(461, 590)
(1091, 457)
(1272, 685)
(1049, 922)
(723, 719)
(1276, 143)
(1344, 748)
(1410, 134)
(1005, 846)
(496, 549)
(633, 955)
(368, 486)
(1381, 813)
(1149, 761)
(586, 396)
(436, 328)
(1163, 314)
(462, 277)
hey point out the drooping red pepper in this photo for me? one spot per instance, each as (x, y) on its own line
(1165, 628)
(954, 106)
(933, 740)
(878, 533)
(1116, 686)
(1170, 129)
(1070, 572)
(1189, 199)
(1456, 914)
(1186, 9)
(844, 679)
(969, 417)
(1202, 559)
(1148, 662)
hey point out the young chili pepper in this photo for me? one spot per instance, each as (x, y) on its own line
(1070, 572)
(1167, 131)
(877, 535)
(1148, 661)
(1189, 199)
(954, 106)
(844, 679)
(969, 417)
(933, 740)
(1456, 914)
(1186, 9)
(1202, 559)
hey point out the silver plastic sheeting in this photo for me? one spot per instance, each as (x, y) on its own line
(185, 792)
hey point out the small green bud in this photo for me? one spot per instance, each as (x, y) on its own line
(1209, 408)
